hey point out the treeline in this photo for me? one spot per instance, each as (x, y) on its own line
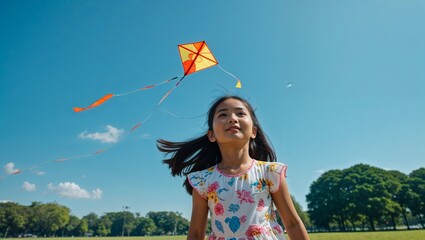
(361, 197)
(364, 197)
(52, 219)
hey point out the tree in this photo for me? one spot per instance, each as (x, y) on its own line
(83, 228)
(404, 196)
(117, 224)
(92, 221)
(417, 184)
(12, 218)
(323, 199)
(101, 230)
(358, 193)
(181, 225)
(47, 218)
(169, 222)
(71, 229)
(52, 219)
(372, 192)
(302, 214)
(105, 222)
(144, 227)
(129, 222)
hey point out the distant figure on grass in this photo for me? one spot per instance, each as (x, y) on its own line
(231, 173)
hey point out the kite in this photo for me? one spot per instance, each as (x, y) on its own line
(194, 57)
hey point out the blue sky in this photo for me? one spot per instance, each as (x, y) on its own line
(335, 83)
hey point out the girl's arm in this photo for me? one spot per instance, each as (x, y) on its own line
(198, 221)
(283, 202)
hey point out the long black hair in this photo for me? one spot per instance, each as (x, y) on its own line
(200, 153)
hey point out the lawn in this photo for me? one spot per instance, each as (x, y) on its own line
(387, 235)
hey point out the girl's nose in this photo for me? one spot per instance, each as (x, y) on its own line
(233, 118)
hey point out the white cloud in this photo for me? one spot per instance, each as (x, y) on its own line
(72, 190)
(30, 187)
(10, 168)
(111, 135)
(320, 171)
(146, 136)
(96, 194)
(5, 201)
(39, 173)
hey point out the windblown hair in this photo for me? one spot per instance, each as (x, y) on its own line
(200, 153)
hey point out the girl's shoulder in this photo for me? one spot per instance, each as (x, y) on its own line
(271, 166)
(199, 180)
(201, 173)
(273, 172)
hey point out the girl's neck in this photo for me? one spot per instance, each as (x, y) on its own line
(234, 162)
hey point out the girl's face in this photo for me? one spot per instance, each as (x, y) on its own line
(232, 122)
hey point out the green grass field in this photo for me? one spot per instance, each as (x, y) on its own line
(388, 235)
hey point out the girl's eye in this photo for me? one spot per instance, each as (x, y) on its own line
(221, 115)
(242, 114)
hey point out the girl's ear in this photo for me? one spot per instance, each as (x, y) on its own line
(254, 132)
(211, 136)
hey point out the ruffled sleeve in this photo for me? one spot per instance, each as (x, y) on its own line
(198, 181)
(275, 172)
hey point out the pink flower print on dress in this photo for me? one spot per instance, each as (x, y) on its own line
(212, 192)
(278, 229)
(255, 230)
(260, 205)
(213, 187)
(244, 196)
(243, 219)
(219, 209)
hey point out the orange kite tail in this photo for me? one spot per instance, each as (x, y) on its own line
(100, 151)
(95, 104)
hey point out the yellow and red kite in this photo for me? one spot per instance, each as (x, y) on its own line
(194, 56)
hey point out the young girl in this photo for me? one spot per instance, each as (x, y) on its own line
(231, 173)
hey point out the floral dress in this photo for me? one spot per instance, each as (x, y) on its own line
(241, 206)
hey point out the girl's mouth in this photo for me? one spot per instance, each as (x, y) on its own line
(233, 128)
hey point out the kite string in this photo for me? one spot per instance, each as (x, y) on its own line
(147, 118)
(179, 117)
(157, 105)
(227, 72)
(58, 160)
(110, 95)
(145, 88)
